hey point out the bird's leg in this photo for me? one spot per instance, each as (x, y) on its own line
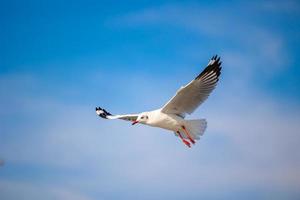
(188, 135)
(183, 140)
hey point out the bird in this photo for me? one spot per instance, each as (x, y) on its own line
(186, 100)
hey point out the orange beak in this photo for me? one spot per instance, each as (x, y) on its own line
(134, 122)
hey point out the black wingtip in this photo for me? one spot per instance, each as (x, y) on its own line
(102, 112)
(214, 65)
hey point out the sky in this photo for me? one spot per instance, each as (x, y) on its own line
(61, 59)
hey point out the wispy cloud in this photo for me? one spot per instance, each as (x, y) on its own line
(261, 141)
(48, 122)
(262, 47)
(24, 190)
(288, 7)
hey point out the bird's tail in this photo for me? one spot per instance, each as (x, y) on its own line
(196, 127)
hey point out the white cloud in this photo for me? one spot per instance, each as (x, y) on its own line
(260, 47)
(29, 191)
(287, 7)
(253, 139)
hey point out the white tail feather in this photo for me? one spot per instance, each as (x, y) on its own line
(195, 127)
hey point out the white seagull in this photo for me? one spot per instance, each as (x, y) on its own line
(185, 101)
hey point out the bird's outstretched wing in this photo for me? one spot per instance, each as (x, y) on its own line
(189, 97)
(106, 115)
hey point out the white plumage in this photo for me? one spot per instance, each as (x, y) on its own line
(185, 101)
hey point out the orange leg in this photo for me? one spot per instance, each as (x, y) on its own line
(188, 135)
(183, 140)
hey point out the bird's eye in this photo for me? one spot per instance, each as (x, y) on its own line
(142, 117)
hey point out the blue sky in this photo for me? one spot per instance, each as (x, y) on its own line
(58, 60)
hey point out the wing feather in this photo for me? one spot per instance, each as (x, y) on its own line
(106, 115)
(189, 97)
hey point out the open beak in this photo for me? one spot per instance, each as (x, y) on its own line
(134, 122)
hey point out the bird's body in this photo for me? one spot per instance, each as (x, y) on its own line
(185, 101)
(162, 120)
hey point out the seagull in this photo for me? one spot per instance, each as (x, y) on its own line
(172, 115)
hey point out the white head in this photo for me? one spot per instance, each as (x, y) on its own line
(142, 118)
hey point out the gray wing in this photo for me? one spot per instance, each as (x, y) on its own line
(189, 97)
(106, 115)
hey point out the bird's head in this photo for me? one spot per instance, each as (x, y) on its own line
(142, 118)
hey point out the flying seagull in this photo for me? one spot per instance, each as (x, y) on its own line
(185, 101)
